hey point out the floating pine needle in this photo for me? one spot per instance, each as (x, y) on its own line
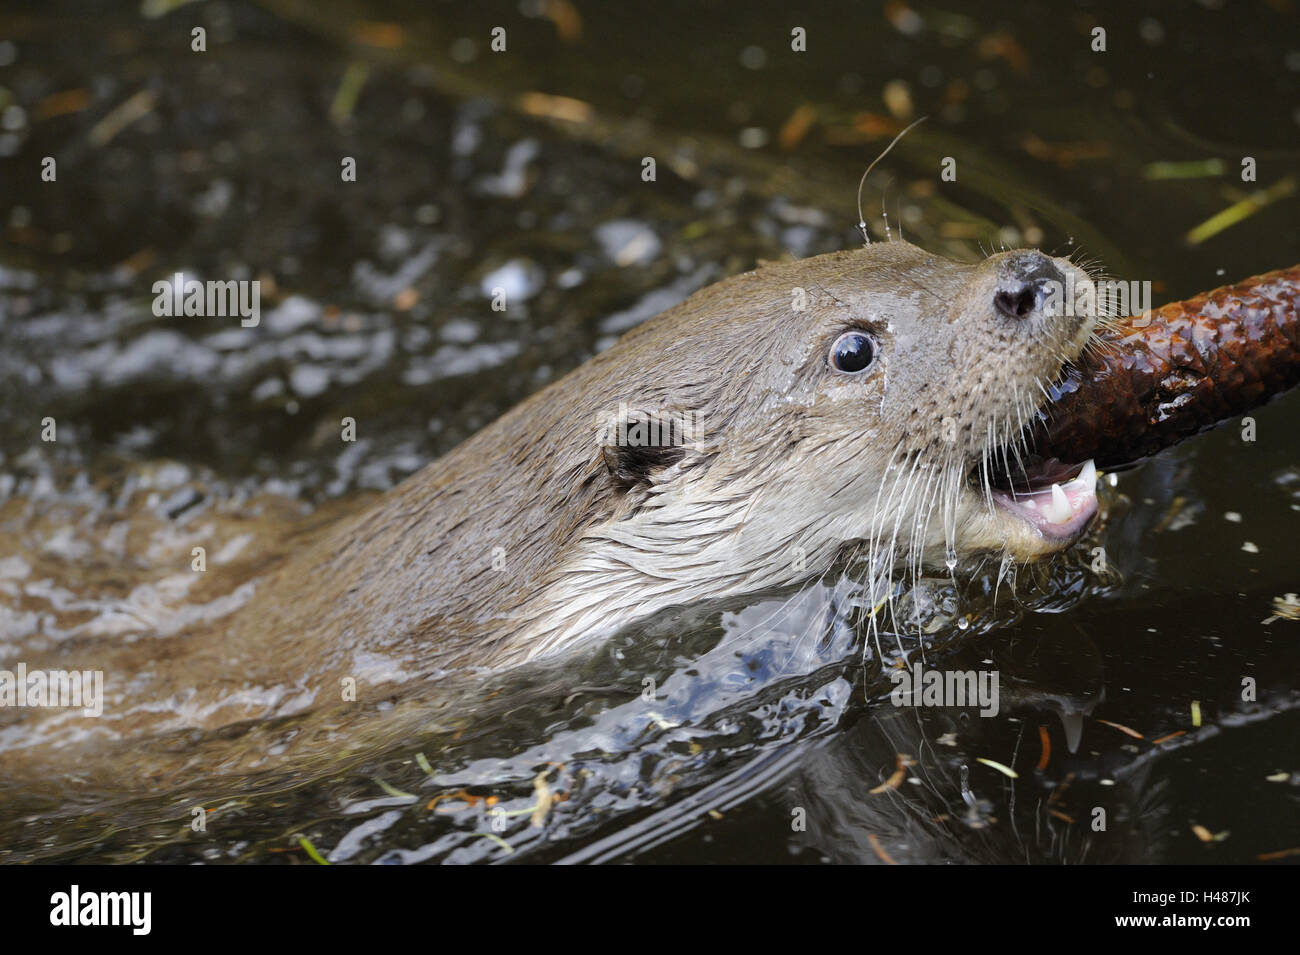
(345, 98)
(1175, 508)
(393, 790)
(62, 104)
(563, 108)
(901, 763)
(794, 129)
(879, 850)
(994, 764)
(865, 128)
(135, 108)
(1064, 155)
(498, 840)
(1240, 211)
(1123, 729)
(1164, 739)
(1279, 854)
(1191, 169)
(1045, 738)
(1060, 789)
(311, 851)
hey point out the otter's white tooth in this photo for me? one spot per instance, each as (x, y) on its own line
(1088, 476)
(1060, 510)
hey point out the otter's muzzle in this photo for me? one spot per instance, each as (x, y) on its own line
(1028, 278)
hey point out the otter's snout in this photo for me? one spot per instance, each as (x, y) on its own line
(1028, 279)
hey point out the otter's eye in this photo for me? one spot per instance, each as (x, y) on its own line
(853, 352)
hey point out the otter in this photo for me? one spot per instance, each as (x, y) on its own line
(869, 402)
(841, 400)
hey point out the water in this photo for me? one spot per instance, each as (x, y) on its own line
(768, 735)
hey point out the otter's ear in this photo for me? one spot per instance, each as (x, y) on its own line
(638, 443)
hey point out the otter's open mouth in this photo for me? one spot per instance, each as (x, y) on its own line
(1056, 499)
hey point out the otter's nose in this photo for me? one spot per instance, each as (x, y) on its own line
(1027, 279)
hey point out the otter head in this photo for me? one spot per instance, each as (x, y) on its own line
(873, 399)
(949, 363)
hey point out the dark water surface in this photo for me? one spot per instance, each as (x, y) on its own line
(522, 169)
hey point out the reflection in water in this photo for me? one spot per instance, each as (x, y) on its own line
(626, 748)
(691, 713)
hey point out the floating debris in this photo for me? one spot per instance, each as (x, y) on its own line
(901, 764)
(1240, 211)
(879, 850)
(1064, 155)
(545, 799)
(345, 98)
(312, 852)
(1280, 854)
(797, 126)
(563, 108)
(1190, 169)
(565, 16)
(393, 791)
(498, 840)
(897, 96)
(1123, 729)
(382, 36)
(1286, 607)
(135, 108)
(63, 103)
(1206, 836)
(994, 764)
(464, 796)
